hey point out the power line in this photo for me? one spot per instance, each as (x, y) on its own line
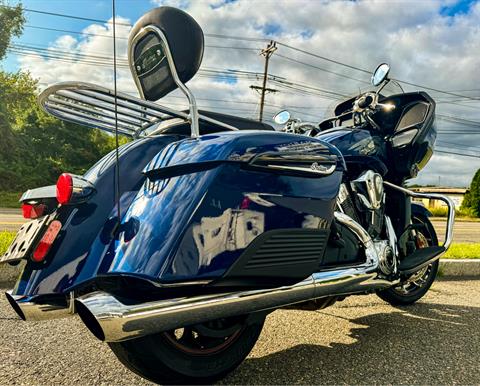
(65, 56)
(97, 60)
(72, 32)
(123, 38)
(263, 40)
(473, 148)
(369, 72)
(73, 17)
(321, 69)
(213, 35)
(455, 153)
(324, 58)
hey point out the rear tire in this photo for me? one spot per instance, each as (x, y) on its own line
(199, 354)
(418, 284)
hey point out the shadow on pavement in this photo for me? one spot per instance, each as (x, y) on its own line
(421, 344)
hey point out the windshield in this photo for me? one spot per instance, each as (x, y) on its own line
(391, 88)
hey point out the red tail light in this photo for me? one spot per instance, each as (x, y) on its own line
(33, 211)
(64, 188)
(72, 189)
(46, 242)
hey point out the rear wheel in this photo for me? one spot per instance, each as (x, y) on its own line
(416, 285)
(197, 354)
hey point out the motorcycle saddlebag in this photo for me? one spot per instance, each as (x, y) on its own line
(237, 208)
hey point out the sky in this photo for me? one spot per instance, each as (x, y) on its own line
(431, 43)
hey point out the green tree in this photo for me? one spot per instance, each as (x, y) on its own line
(472, 198)
(11, 22)
(34, 146)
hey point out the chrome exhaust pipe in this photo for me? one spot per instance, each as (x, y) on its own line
(111, 320)
(40, 307)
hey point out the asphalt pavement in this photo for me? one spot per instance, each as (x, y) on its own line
(463, 231)
(361, 340)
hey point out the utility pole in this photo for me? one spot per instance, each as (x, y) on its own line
(267, 53)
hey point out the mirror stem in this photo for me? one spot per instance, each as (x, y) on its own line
(385, 82)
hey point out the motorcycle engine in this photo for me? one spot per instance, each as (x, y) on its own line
(366, 205)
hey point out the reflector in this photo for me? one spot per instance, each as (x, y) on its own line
(64, 188)
(33, 211)
(46, 242)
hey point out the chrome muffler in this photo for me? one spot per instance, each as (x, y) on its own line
(111, 320)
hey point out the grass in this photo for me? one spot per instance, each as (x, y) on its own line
(459, 213)
(6, 239)
(463, 251)
(9, 199)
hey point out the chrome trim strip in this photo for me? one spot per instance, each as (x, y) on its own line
(434, 196)
(311, 169)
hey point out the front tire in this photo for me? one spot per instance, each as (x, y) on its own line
(417, 285)
(198, 354)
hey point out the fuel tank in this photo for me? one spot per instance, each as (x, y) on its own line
(246, 208)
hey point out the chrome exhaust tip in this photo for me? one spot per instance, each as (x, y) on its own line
(12, 299)
(89, 320)
(40, 307)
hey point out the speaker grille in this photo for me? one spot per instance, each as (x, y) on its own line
(284, 249)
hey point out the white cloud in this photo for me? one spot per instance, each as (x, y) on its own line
(421, 45)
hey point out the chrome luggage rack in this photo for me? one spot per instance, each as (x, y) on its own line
(94, 106)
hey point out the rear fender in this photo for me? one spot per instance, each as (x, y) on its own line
(77, 254)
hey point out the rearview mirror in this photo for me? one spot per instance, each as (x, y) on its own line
(282, 117)
(380, 74)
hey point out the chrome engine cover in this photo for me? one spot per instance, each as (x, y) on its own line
(387, 261)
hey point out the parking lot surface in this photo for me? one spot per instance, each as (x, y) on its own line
(361, 340)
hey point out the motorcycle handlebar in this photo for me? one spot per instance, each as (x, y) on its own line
(365, 101)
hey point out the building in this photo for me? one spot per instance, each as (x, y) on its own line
(455, 194)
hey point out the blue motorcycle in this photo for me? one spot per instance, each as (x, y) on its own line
(174, 247)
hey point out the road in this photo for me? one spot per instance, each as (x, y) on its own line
(361, 340)
(10, 219)
(464, 232)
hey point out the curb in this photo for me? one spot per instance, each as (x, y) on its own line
(459, 268)
(448, 268)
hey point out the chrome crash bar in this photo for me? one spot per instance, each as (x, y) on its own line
(433, 196)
